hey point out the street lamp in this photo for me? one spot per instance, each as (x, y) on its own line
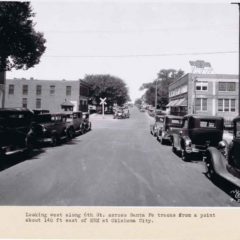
(238, 3)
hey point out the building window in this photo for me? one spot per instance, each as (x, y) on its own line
(38, 103)
(24, 102)
(201, 86)
(227, 86)
(226, 105)
(201, 104)
(25, 90)
(68, 90)
(38, 90)
(52, 89)
(11, 89)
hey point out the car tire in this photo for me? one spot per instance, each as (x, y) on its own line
(185, 156)
(174, 150)
(29, 144)
(54, 141)
(71, 133)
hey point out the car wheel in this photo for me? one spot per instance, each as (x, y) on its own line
(174, 150)
(71, 133)
(29, 144)
(185, 156)
(54, 141)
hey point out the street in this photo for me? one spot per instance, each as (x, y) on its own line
(118, 163)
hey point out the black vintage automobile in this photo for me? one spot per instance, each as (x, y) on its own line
(198, 132)
(171, 125)
(225, 163)
(74, 124)
(15, 124)
(154, 128)
(48, 128)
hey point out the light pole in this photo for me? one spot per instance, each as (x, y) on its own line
(238, 3)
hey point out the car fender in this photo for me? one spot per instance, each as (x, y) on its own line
(183, 141)
(176, 141)
(217, 159)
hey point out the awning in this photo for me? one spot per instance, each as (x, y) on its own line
(171, 103)
(67, 103)
(181, 102)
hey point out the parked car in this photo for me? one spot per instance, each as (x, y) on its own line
(15, 124)
(74, 124)
(126, 112)
(159, 119)
(86, 124)
(197, 134)
(48, 128)
(171, 125)
(225, 160)
(119, 114)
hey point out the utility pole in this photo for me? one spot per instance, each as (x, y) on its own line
(238, 3)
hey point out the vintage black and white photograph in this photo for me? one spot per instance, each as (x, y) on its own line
(119, 103)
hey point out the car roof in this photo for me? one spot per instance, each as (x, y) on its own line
(196, 116)
(175, 117)
(236, 118)
(16, 110)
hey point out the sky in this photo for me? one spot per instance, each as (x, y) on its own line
(133, 40)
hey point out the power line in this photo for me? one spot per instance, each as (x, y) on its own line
(140, 55)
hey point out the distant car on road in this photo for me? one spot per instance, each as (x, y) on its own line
(197, 134)
(225, 160)
(15, 124)
(159, 120)
(171, 125)
(48, 128)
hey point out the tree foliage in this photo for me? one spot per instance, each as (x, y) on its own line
(113, 88)
(20, 45)
(164, 78)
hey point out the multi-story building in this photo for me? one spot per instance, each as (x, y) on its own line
(46, 94)
(208, 94)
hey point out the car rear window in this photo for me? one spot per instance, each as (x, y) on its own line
(208, 124)
(175, 122)
(43, 118)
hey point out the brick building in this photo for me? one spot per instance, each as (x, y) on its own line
(208, 94)
(46, 94)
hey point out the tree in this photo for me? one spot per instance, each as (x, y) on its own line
(113, 88)
(164, 78)
(20, 45)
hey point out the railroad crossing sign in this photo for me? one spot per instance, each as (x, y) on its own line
(103, 102)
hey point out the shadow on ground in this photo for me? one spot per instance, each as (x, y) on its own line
(12, 160)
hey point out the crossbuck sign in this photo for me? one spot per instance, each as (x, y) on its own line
(103, 102)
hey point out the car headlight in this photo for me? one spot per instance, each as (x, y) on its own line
(222, 145)
(188, 143)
